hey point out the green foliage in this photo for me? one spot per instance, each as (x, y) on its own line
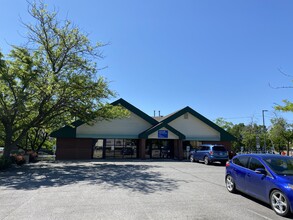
(279, 136)
(37, 138)
(224, 124)
(250, 134)
(281, 133)
(246, 134)
(238, 131)
(52, 80)
(287, 107)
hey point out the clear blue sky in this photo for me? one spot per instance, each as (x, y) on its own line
(218, 57)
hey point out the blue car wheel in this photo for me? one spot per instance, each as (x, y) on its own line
(279, 203)
(206, 160)
(230, 185)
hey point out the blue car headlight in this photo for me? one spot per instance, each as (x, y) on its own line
(289, 186)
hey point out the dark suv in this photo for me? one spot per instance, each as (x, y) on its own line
(210, 153)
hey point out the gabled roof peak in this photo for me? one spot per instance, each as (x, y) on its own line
(135, 110)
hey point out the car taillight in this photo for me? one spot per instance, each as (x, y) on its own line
(211, 152)
(227, 164)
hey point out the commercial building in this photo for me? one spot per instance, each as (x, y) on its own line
(139, 136)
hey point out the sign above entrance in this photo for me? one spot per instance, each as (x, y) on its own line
(162, 134)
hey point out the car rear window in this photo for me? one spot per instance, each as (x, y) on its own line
(219, 148)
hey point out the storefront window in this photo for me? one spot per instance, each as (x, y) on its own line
(121, 148)
(110, 148)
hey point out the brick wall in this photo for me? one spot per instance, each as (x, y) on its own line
(74, 148)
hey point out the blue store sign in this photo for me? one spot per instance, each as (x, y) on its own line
(162, 134)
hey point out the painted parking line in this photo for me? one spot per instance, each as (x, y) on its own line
(260, 215)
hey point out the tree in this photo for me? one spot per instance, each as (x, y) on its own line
(281, 133)
(224, 124)
(238, 131)
(51, 80)
(35, 139)
(250, 134)
(287, 107)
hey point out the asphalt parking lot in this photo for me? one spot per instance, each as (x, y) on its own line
(123, 190)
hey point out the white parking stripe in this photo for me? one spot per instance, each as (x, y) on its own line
(265, 217)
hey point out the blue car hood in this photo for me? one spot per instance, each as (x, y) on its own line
(288, 178)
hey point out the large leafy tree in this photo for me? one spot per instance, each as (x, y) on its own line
(226, 125)
(238, 131)
(281, 133)
(51, 80)
(246, 135)
(230, 127)
(249, 135)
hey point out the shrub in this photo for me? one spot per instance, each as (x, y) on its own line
(4, 163)
(20, 160)
(17, 159)
(32, 156)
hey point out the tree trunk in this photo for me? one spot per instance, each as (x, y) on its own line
(8, 145)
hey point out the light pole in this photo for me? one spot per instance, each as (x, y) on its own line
(264, 129)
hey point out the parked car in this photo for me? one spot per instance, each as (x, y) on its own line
(267, 177)
(210, 153)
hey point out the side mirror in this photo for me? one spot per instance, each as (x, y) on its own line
(261, 171)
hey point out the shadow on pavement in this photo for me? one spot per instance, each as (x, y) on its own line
(143, 178)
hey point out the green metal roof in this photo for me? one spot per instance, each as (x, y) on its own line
(135, 110)
(70, 131)
(65, 132)
(155, 128)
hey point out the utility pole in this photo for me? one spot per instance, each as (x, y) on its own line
(264, 130)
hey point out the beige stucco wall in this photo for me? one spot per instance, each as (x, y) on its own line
(194, 129)
(129, 127)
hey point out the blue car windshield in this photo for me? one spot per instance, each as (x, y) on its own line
(280, 165)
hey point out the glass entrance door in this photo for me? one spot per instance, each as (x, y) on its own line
(156, 149)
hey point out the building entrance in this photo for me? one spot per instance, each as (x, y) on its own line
(157, 149)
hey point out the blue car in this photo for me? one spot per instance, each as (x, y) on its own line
(210, 153)
(267, 177)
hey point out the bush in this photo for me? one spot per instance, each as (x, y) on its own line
(17, 159)
(20, 160)
(4, 163)
(33, 156)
